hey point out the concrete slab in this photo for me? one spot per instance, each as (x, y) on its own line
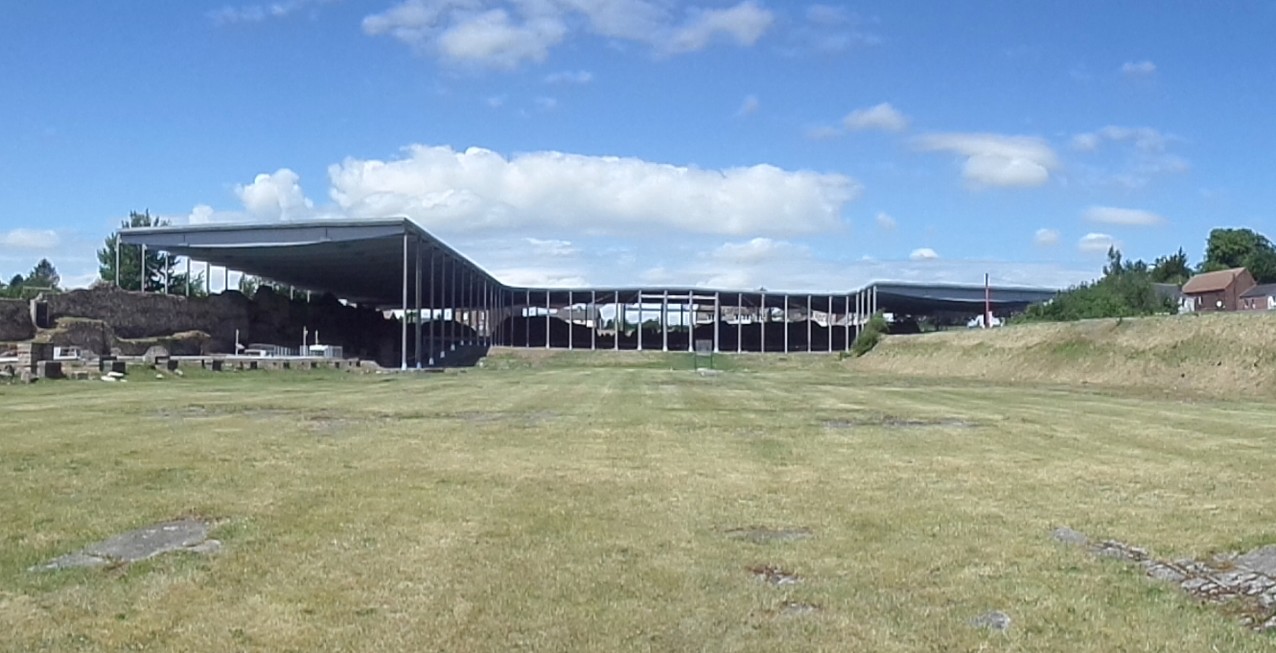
(140, 544)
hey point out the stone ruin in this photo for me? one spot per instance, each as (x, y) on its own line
(1243, 582)
(107, 321)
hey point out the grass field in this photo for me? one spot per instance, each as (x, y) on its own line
(542, 505)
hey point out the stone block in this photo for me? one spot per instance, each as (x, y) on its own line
(49, 370)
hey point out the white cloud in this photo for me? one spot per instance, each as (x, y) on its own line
(884, 221)
(882, 117)
(1123, 217)
(1046, 237)
(923, 254)
(546, 103)
(1095, 243)
(1138, 68)
(748, 107)
(759, 250)
(494, 34)
(491, 39)
(30, 238)
(551, 247)
(276, 196)
(474, 189)
(261, 12)
(1144, 138)
(995, 159)
(1145, 155)
(742, 24)
(579, 77)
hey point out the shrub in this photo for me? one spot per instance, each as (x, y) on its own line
(869, 335)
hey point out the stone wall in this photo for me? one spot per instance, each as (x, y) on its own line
(267, 318)
(15, 320)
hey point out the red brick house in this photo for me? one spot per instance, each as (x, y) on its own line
(1218, 291)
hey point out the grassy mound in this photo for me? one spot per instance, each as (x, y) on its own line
(1219, 355)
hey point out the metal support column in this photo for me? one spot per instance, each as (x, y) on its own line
(639, 329)
(188, 276)
(208, 279)
(416, 352)
(527, 319)
(571, 321)
(403, 322)
(828, 322)
(664, 321)
(739, 322)
(164, 262)
(548, 326)
(764, 314)
(593, 320)
(142, 275)
(847, 317)
(787, 299)
(118, 245)
(810, 320)
(433, 344)
(225, 273)
(615, 323)
(717, 321)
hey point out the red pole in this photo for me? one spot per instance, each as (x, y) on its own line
(987, 303)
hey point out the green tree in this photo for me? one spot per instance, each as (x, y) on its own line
(1125, 290)
(1171, 269)
(158, 265)
(1236, 248)
(44, 275)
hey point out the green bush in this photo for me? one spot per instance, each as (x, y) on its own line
(870, 335)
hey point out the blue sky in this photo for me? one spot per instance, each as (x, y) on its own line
(736, 144)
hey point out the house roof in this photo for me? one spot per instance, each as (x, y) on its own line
(1265, 290)
(1211, 281)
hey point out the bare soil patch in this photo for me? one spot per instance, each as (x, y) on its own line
(773, 575)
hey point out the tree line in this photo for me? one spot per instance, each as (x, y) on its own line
(43, 277)
(1129, 288)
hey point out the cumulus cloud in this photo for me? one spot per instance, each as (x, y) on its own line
(995, 159)
(828, 29)
(1096, 243)
(477, 188)
(1138, 68)
(884, 221)
(579, 77)
(923, 254)
(30, 238)
(276, 196)
(882, 117)
(1046, 237)
(1123, 217)
(496, 34)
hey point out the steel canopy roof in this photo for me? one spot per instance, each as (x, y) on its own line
(363, 261)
